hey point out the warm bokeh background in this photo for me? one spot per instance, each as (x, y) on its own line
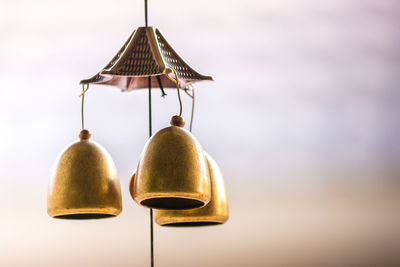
(303, 118)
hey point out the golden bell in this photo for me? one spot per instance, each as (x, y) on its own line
(172, 172)
(215, 212)
(84, 183)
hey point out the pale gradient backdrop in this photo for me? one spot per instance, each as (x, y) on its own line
(303, 119)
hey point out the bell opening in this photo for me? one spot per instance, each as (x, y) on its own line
(191, 224)
(172, 203)
(84, 216)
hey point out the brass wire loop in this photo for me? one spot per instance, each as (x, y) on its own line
(83, 100)
(84, 90)
(192, 114)
(167, 71)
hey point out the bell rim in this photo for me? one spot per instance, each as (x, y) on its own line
(182, 221)
(65, 213)
(203, 198)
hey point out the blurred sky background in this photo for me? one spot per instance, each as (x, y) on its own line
(303, 119)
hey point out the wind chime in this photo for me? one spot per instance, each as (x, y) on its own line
(174, 176)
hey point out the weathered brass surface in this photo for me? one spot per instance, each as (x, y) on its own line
(172, 172)
(145, 53)
(215, 212)
(84, 183)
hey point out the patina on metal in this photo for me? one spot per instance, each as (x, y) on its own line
(172, 172)
(214, 213)
(84, 183)
(146, 53)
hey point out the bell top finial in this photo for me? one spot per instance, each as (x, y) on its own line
(84, 135)
(177, 121)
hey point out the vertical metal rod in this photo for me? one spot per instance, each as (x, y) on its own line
(151, 237)
(150, 134)
(150, 115)
(161, 87)
(145, 13)
(151, 210)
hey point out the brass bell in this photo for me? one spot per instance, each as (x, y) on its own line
(84, 183)
(172, 172)
(215, 212)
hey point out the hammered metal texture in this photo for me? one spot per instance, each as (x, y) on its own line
(173, 61)
(84, 184)
(172, 172)
(215, 212)
(146, 53)
(138, 60)
(98, 78)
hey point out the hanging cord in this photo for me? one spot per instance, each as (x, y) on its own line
(176, 81)
(191, 88)
(192, 114)
(83, 101)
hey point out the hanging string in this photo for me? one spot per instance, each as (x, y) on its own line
(179, 97)
(191, 88)
(176, 81)
(83, 101)
(192, 114)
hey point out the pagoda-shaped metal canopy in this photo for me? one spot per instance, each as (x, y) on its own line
(146, 53)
